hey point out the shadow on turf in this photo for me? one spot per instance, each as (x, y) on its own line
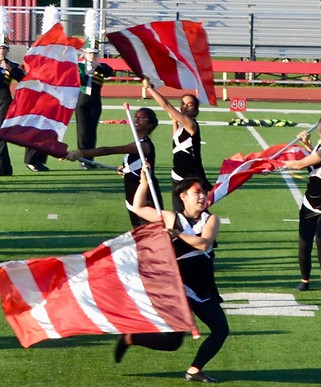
(53, 242)
(298, 376)
(7, 342)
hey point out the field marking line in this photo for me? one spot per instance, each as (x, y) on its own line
(266, 304)
(222, 110)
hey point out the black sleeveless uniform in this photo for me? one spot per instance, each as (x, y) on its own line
(196, 268)
(132, 167)
(187, 160)
(310, 220)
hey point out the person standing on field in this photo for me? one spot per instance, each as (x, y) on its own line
(92, 76)
(9, 70)
(310, 212)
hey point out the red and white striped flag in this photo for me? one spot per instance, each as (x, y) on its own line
(46, 97)
(236, 170)
(129, 284)
(171, 53)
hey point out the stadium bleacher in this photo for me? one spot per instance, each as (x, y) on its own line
(235, 28)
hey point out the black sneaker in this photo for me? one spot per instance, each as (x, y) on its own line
(120, 349)
(303, 287)
(199, 377)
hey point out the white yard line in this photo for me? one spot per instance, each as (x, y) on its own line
(217, 109)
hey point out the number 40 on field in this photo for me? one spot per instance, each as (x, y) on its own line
(237, 104)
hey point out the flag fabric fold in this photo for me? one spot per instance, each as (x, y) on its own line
(47, 96)
(171, 53)
(130, 284)
(236, 170)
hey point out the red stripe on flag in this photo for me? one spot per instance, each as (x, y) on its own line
(127, 51)
(236, 170)
(65, 314)
(57, 35)
(134, 284)
(18, 314)
(111, 296)
(167, 32)
(173, 61)
(52, 71)
(43, 71)
(159, 53)
(163, 275)
(45, 141)
(40, 104)
(196, 36)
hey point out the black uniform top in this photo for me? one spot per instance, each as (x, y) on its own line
(132, 167)
(196, 266)
(92, 80)
(313, 191)
(6, 77)
(187, 160)
(132, 162)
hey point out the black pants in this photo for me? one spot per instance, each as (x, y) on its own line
(212, 314)
(309, 227)
(87, 112)
(5, 162)
(32, 157)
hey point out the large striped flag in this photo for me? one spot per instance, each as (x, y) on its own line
(171, 53)
(46, 97)
(236, 170)
(129, 284)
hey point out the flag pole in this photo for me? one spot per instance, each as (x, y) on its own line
(142, 157)
(194, 330)
(277, 154)
(95, 164)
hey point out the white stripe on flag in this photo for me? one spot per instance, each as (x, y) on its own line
(58, 52)
(186, 76)
(188, 79)
(67, 96)
(124, 254)
(224, 188)
(76, 271)
(146, 63)
(38, 122)
(23, 280)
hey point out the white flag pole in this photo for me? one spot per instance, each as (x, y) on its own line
(277, 154)
(142, 157)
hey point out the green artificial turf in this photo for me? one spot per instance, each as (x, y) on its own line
(69, 210)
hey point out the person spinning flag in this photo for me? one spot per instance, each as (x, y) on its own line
(193, 231)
